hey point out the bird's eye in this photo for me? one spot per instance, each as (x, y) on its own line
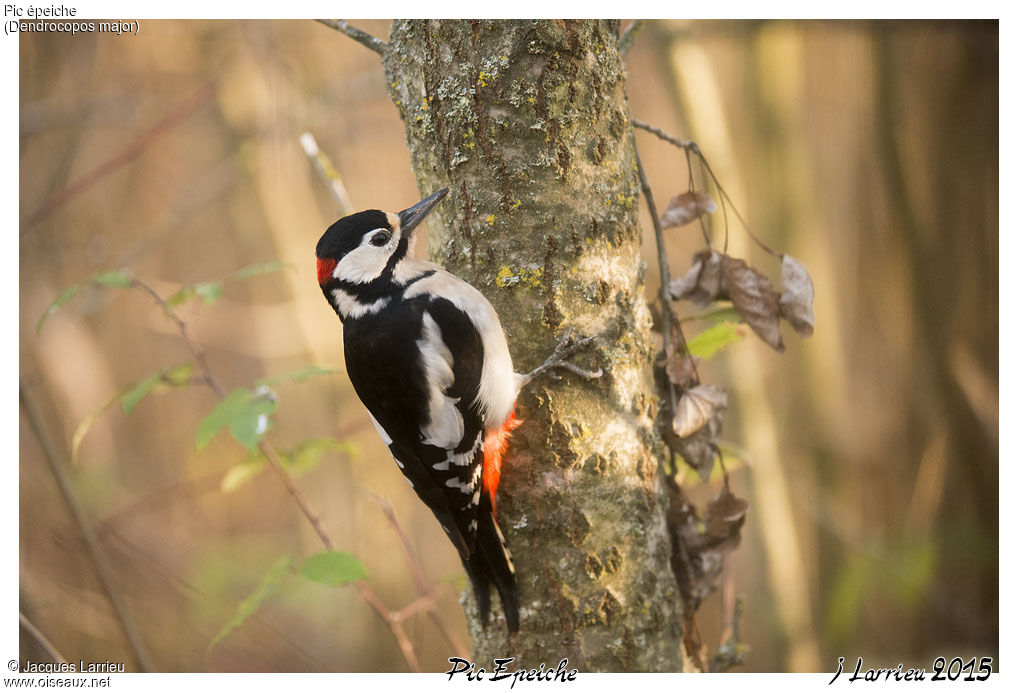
(379, 238)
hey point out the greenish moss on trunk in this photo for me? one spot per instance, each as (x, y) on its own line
(526, 123)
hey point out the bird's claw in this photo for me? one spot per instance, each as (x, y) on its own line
(563, 350)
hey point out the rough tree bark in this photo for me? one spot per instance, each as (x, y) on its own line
(526, 122)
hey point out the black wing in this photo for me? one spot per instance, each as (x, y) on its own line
(397, 390)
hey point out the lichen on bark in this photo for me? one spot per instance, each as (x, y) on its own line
(526, 123)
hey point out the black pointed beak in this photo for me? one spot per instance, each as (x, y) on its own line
(412, 216)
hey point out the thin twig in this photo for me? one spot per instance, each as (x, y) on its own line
(625, 42)
(197, 350)
(362, 37)
(292, 488)
(671, 139)
(416, 571)
(425, 601)
(43, 641)
(86, 180)
(365, 590)
(691, 147)
(700, 219)
(418, 574)
(330, 176)
(103, 569)
(663, 293)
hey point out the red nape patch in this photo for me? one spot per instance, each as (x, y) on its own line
(496, 441)
(325, 270)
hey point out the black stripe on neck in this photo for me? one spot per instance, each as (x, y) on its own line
(380, 287)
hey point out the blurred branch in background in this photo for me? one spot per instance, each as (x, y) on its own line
(101, 565)
(43, 641)
(324, 165)
(85, 181)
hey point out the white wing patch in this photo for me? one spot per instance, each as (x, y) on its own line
(498, 388)
(445, 426)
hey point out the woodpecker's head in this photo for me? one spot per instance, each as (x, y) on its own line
(364, 247)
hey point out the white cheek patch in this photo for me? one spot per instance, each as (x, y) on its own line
(366, 262)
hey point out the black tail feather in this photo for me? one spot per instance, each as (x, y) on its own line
(490, 563)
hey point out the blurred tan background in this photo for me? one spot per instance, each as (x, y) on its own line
(867, 150)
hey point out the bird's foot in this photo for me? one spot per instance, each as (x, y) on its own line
(563, 350)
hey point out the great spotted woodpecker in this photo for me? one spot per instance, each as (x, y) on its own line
(427, 356)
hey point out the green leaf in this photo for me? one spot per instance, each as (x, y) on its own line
(719, 311)
(132, 397)
(209, 291)
(246, 413)
(333, 568)
(300, 460)
(86, 425)
(305, 456)
(179, 375)
(723, 313)
(113, 279)
(716, 337)
(174, 376)
(242, 473)
(65, 296)
(182, 296)
(269, 585)
(255, 270)
(296, 376)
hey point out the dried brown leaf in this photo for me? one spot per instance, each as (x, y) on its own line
(797, 302)
(753, 298)
(681, 369)
(725, 515)
(703, 283)
(700, 549)
(699, 416)
(682, 287)
(687, 207)
(697, 407)
(698, 449)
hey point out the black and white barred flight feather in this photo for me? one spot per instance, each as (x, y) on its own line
(427, 356)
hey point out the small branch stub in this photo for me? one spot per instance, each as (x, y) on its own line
(362, 37)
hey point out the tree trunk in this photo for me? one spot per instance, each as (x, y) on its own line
(526, 122)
